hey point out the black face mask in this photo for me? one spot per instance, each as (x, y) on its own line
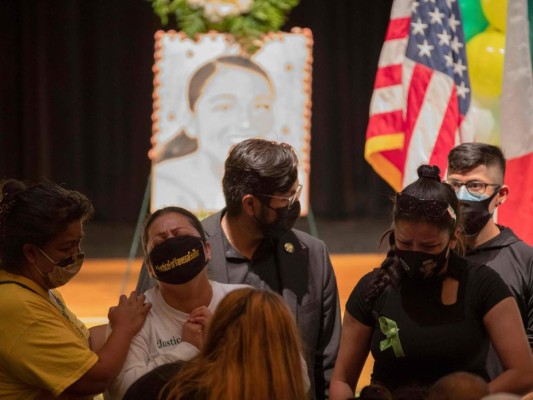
(178, 260)
(285, 220)
(476, 214)
(416, 263)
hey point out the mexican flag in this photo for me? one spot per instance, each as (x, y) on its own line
(516, 120)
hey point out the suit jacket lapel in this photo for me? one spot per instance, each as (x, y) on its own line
(293, 260)
(291, 254)
(218, 267)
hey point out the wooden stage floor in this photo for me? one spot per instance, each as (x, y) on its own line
(101, 281)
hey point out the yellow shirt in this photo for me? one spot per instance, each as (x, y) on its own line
(44, 348)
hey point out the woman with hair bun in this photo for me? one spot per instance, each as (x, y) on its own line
(426, 311)
(45, 351)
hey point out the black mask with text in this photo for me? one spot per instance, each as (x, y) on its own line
(285, 219)
(421, 265)
(178, 260)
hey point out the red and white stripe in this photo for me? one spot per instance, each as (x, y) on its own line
(414, 113)
(516, 123)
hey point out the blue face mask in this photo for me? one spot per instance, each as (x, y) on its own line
(465, 195)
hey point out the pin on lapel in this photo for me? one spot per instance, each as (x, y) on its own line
(289, 247)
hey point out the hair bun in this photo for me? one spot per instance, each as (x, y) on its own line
(10, 188)
(429, 172)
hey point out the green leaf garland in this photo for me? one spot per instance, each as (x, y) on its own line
(262, 17)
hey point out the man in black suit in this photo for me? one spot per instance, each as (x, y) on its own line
(252, 242)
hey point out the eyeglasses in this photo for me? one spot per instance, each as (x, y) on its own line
(473, 187)
(432, 209)
(291, 200)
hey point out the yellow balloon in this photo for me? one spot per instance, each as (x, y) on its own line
(485, 53)
(496, 13)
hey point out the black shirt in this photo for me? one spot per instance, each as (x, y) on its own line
(432, 339)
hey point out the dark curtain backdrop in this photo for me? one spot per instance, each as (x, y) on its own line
(76, 99)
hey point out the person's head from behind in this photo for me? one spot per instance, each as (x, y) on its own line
(459, 386)
(175, 245)
(41, 227)
(410, 392)
(476, 171)
(528, 396)
(425, 221)
(504, 396)
(261, 181)
(375, 392)
(252, 350)
(231, 99)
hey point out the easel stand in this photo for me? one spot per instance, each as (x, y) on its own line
(137, 234)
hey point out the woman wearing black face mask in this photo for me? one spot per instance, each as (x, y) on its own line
(427, 312)
(45, 351)
(183, 300)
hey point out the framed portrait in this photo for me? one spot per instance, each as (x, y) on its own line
(209, 95)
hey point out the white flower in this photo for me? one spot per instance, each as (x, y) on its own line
(211, 13)
(216, 10)
(244, 5)
(196, 3)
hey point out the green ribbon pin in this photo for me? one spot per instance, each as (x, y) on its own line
(389, 328)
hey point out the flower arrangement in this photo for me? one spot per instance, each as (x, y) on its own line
(246, 20)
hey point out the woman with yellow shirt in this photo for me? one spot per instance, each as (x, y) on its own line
(45, 351)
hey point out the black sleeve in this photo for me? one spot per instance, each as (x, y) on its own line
(148, 386)
(357, 304)
(489, 287)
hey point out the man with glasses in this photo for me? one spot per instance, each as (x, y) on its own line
(476, 171)
(252, 242)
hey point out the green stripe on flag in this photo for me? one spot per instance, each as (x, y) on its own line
(530, 18)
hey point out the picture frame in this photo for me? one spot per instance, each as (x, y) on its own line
(209, 94)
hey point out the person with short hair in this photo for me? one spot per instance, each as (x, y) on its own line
(459, 386)
(426, 311)
(375, 392)
(252, 351)
(503, 396)
(253, 242)
(476, 171)
(45, 350)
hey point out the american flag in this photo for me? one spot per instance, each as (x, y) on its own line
(421, 93)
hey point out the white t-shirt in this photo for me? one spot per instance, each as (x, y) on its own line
(159, 340)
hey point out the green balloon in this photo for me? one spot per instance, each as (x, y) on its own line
(474, 20)
(530, 18)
